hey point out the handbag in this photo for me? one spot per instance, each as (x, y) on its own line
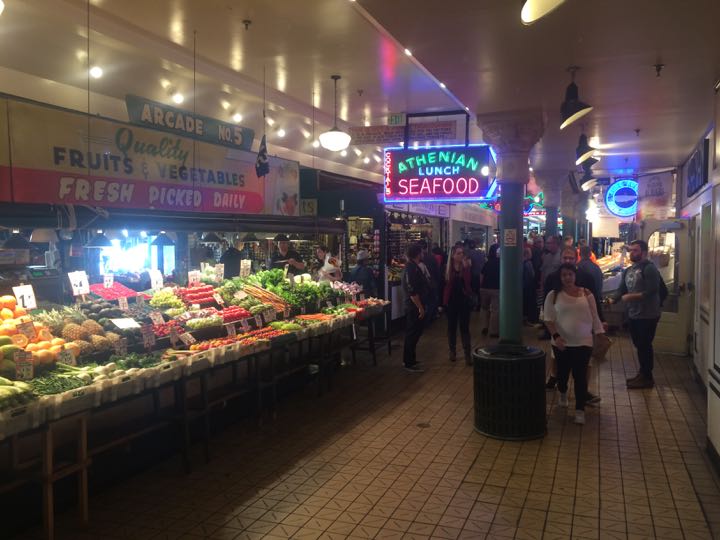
(601, 343)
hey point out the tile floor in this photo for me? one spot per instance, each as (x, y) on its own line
(393, 455)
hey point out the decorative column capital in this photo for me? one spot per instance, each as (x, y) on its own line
(512, 134)
(551, 183)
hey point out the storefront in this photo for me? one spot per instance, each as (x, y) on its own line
(470, 222)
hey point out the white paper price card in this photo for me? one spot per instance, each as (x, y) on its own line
(231, 330)
(108, 281)
(67, 357)
(148, 336)
(194, 278)
(269, 315)
(218, 299)
(120, 346)
(245, 325)
(245, 267)
(24, 370)
(174, 336)
(187, 338)
(25, 296)
(123, 303)
(258, 321)
(156, 279)
(27, 329)
(219, 272)
(79, 283)
(329, 304)
(124, 324)
(139, 300)
(156, 317)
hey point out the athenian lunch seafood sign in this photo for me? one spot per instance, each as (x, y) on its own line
(122, 165)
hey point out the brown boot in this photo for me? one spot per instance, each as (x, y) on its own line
(641, 382)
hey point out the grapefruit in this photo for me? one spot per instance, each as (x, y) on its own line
(6, 313)
(8, 302)
(20, 340)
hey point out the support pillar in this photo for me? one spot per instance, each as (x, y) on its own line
(550, 183)
(512, 135)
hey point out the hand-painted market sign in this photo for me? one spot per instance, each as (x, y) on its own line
(451, 174)
(621, 198)
(148, 113)
(54, 160)
(393, 134)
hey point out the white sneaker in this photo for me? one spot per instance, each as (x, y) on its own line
(563, 402)
(580, 417)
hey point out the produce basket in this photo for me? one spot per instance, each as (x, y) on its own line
(123, 386)
(73, 401)
(197, 362)
(21, 418)
(164, 373)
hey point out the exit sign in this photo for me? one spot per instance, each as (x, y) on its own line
(396, 119)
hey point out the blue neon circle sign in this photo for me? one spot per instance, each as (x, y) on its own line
(621, 198)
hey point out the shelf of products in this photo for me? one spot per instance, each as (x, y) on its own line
(363, 237)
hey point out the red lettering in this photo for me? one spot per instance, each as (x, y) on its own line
(458, 188)
(473, 185)
(436, 184)
(446, 189)
(414, 186)
(425, 186)
(402, 186)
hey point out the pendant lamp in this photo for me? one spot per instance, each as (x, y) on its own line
(584, 151)
(588, 180)
(44, 236)
(162, 239)
(533, 10)
(572, 108)
(16, 241)
(210, 238)
(335, 140)
(99, 241)
(250, 237)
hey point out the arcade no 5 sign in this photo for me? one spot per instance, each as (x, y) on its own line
(451, 174)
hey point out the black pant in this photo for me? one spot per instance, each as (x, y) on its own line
(458, 312)
(414, 327)
(530, 307)
(573, 359)
(642, 332)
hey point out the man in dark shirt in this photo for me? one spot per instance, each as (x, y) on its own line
(436, 281)
(587, 265)
(231, 262)
(286, 256)
(417, 290)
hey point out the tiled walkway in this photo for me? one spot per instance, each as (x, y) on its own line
(393, 455)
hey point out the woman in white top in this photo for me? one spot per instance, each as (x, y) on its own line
(329, 266)
(571, 317)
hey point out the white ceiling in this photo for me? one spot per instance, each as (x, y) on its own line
(478, 48)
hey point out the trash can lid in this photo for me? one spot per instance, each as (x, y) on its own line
(508, 352)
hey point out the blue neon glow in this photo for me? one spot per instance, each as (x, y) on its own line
(621, 198)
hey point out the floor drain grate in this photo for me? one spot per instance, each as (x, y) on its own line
(424, 425)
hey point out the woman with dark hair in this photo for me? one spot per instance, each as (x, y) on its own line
(490, 292)
(571, 318)
(457, 299)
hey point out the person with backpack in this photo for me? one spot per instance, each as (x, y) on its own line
(643, 290)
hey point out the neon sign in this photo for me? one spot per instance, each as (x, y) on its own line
(436, 174)
(533, 205)
(621, 198)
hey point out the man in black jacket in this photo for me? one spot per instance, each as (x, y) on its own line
(417, 290)
(436, 282)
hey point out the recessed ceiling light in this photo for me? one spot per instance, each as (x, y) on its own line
(2, 6)
(408, 52)
(237, 117)
(343, 153)
(95, 72)
(178, 98)
(530, 169)
(357, 151)
(366, 160)
(367, 123)
(270, 121)
(467, 108)
(416, 144)
(377, 158)
(316, 144)
(442, 85)
(281, 132)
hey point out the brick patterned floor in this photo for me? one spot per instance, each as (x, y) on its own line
(393, 455)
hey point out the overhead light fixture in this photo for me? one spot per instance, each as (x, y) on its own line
(366, 160)
(281, 133)
(316, 144)
(210, 238)
(178, 98)
(335, 139)
(99, 241)
(485, 170)
(584, 151)
(250, 238)
(442, 85)
(572, 108)
(357, 151)
(44, 236)
(2, 7)
(588, 181)
(96, 72)
(237, 117)
(343, 153)
(408, 52)
(467, 108)
(377, 158)
(162, 239)
(270, 121)
(533, 10)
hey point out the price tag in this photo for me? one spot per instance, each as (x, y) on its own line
(174, 337)
(219, 272)
(258, 321)
(25, 296)
(245, 267)
(123, 303)
(241, 295)
(148, 336)
(245, 325)
(24, 369)
(187, 338)
(67, 357)
(156, 279)
(79, 283)
(302, 310)
(156, 317)
(124, 324)
(121, 346)
(194, 278)
(27, 329)
(219, 299)
(269, 315)
(286, 313)
(231, 330)
(108, 281)
(329, 304)
(140, 300)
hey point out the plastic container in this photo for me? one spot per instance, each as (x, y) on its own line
(73, 401)
(197, 362)
(165, 372)
(21, 418)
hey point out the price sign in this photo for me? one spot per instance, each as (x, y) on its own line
(156, 317)
(258, 321)
(139, 300)
(25, 296)
(79, 283)
(187, 338)
(231, 330)
(240, 295)
(156, 279)
(124, 324)
(27, 329)
(218, 299)
(108, 281)
(329, 304)
(245, 267)
(269, 315)
(245, 325)
(219, 272)
(148, 336)
(123, 303)
(121, 346)
(174, 337)
(286, 313)
(194, 278)
(24, 369)
(67, 357)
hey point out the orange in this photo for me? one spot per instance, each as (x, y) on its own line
(31, 347)
(75, 349)
(20, 311)
(8, 330)
(43, 357)
(20, 340)
(57, 341)
(43, 345)
(6, 313)
(55, 350)
(45, 335)
(8, 302)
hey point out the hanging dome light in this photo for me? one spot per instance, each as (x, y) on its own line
(250, 237)
(44, 236)
(572, 108)
(162, 239)
(533, 10)
(584, 151)
(210, 238)
(16, 241)
(335, 139)
(99, 241)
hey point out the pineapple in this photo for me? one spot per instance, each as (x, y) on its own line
(73, 332)
(112, 337)
(100, 343)
(55, 319)
(85, 347)
(93, 327)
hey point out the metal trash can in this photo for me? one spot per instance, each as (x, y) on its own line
(510, 392)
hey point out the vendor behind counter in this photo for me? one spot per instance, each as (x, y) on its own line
(286, 256)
